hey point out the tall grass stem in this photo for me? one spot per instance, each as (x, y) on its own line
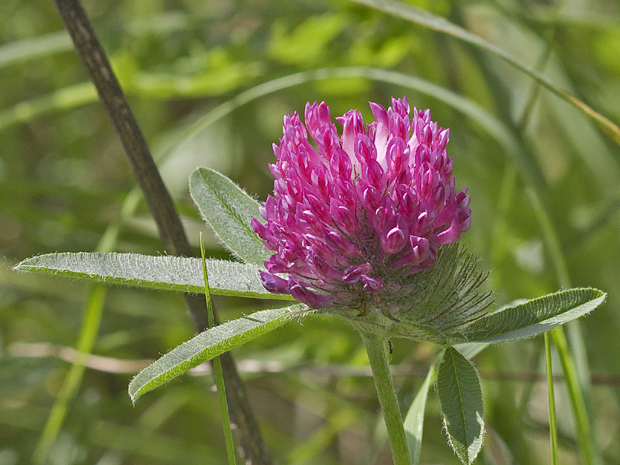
(217, 368)
(553, 431)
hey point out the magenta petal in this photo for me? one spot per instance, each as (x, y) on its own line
(368, 196)
(339, 244)
(465, 225)
(374, 174)
(401, 106)
(372, 285)
(382, 130)
(420, 248)
(397, 157)
(343, 217)
(395, 236)
(316, 116)
(258, 228)
(451, 234)
(442, 140)
(273, 283)
(322, 269)
(311, 299)
(365, 149)
(352, 125)
(341, 164)
(354, 273)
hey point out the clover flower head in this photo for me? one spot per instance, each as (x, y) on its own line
(354, 216)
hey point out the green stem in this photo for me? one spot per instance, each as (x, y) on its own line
(71, 384)
(217, 369)
(552, 424)
(586, 440)
(577, 385)
(375, 347)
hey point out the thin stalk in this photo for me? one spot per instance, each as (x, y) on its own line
(553, 431)
(587, 442)
(217, 368)
(375, 347)
(71, 384)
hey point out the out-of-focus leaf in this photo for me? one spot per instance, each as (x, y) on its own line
(414, 421)
(438, 23)
(209, 344)
(308, 42)
(34, 47)
(212, 80)
(61, 99)
(155, 272)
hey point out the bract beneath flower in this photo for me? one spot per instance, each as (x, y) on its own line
(354, 216)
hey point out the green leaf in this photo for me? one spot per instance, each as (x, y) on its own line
(414, 421)
(458, 388)
(534, 316)
(155, 272)
(438, 23)
(229, 211)
(208, 344)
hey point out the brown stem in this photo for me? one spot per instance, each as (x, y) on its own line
(161, 206)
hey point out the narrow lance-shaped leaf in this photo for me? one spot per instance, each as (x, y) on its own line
(208, 344)
(460, 395)
(229, 211)
(414, 421)
(534, 316)
(155, 272)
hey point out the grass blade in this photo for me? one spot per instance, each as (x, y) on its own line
(440, 24)
(217, 367)
(553, 431)
(93, 311)
(414, 421)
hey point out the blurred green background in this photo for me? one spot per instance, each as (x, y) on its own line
(544, 182)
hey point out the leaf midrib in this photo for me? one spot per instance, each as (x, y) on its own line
(458, 387)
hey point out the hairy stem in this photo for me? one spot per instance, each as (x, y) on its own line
(376, 349)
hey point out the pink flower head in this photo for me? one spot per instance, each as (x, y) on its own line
(354, 217)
